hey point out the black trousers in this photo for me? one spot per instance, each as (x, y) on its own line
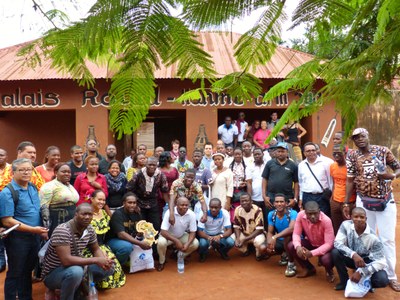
(378, 279)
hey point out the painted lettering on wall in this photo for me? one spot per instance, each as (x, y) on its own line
(214, 99)
(93, 97)
(25, 100)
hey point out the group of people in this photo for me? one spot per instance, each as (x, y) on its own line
(254, 199)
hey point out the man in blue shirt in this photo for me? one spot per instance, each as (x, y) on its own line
(280, 228)
(215, 231)
(22, 245)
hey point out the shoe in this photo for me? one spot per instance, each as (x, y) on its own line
(290, 271)
(340, 287)
(306, 273)
(262, 257)
(202, 257)
(160, 267)
(330, 277)
(394, 285)
(224, 255)
(2, 268)
(284, 260)
(246, 253)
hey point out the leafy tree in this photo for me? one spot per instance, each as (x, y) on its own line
(356, 43)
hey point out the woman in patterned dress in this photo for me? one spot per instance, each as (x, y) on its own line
(100, 223)
(58, 198)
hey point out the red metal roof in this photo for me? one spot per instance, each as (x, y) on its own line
(218, 44)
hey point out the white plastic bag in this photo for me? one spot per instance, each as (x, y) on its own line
(43, 250)
(358, 290)
(198, 211)
(141, 259)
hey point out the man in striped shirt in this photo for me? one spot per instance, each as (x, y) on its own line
(63, 263)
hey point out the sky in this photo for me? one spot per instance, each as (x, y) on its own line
(20, 22)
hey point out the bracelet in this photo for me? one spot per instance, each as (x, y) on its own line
(273, 237)
(346, 205)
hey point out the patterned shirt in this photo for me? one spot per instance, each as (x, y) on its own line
(362, 169)
(137, 185)
(55, 192)
(62, 237)
(182, 167)
(248, 222)
(7, 176)
(367, 244)
(193, 193)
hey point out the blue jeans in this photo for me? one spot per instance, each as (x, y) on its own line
(22, 250)
(68, 279)
(225, 245)
(121, 248)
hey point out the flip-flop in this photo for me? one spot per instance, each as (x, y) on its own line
(394, 285)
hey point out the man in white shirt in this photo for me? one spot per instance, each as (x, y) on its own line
(311, 188)
(254, 180)
(207, 157)
(182, 234)
(242, 125)
(228, 132)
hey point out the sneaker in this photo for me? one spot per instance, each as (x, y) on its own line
(290, 270)
(284, 260)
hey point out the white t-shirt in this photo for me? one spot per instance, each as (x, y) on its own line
(214, 226)
(227, 134)
(184, 223)
(254, 173)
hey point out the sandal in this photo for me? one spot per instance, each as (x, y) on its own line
(394, 285)
(330, 277)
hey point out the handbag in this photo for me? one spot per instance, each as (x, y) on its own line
(375, 204)
(358, 289)
(326, 193)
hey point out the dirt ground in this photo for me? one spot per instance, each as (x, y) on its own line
(238, 278)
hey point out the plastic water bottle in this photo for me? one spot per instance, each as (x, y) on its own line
(181, 262)
(93, 295)
(380, 166)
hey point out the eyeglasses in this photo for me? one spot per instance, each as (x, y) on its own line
(182, 151)
(25, 171)
(308, 151)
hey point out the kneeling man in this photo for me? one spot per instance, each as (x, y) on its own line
(357, 247)
(182, 234)
(63, 263)
(248, 226)
(215, 231)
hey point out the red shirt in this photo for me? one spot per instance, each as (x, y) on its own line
(85, 189)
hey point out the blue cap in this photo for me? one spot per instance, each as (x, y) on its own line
(281, 145)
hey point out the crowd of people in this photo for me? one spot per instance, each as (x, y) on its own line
(239, 193)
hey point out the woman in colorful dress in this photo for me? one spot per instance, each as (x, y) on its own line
(261, 135)
(100, 223)
(51, 159)
(58, 198)
(116, 183)
(138, 162)
(86, 183)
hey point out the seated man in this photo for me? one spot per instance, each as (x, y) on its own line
(317, 229)
(182, 234)
(123, 229)
(248, 226)
(280, 228)
(187, 187)
(215, 231)
(357, 247)
(63, 262)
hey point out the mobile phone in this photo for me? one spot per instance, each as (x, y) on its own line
(4, 233)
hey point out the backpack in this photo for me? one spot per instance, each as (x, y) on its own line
(289, 210)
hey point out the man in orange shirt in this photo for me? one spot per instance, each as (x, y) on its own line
(338, 172)
(24, 150)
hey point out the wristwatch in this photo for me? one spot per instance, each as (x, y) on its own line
(221, 236)
(295, 200)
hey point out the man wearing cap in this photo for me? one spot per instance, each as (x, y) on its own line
(314, 177)
(280, 176)
(363, 176)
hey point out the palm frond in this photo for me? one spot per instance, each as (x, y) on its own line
(258, 45)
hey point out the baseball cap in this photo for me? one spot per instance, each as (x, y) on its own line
(360, 130)
(282, 145)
